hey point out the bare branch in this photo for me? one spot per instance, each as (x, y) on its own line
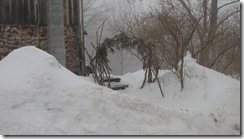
(228, 4)
(227, 17)
(219, 55)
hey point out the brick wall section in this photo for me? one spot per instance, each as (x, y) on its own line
(13, 37)
(72, 49)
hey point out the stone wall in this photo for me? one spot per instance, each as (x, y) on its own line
(72, 49)
(13, 37)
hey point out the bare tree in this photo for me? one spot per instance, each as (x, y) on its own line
(88, 12)
(210, 30)
(166, 33)
(94, 11)
(172, 33)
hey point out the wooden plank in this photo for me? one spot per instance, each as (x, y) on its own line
(15, 10)
(10, 12)
(32, 12)
(120, 87)
(78, 12)
(75, 11)
(112, 79)
(36, 12)
(65, 12)
(28, 12)
(2, 11)
(42, 12)
(25, 13)
(70, 12)
(7, 12)
(20, 13)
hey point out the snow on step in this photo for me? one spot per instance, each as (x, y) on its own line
(119, 86)
(112, 79)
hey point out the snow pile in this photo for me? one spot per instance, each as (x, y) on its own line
(206, 92)
(40, 97)
(210, 90)
(27, 67)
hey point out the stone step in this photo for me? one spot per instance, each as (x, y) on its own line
(112, 79)
(119, 86)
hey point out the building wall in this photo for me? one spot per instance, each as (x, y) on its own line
(24, 23)
(55, 27)
(13, 37)
(72, 49)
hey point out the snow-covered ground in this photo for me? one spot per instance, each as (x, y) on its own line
(40, 97)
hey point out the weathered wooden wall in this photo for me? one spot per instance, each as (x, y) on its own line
(23, 12)
(24, 22)
(33, 12)
(71, 12)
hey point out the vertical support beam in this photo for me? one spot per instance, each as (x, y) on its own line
(55, 27)
(82, 47)
(83, 40)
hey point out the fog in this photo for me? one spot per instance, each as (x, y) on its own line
(121, 62)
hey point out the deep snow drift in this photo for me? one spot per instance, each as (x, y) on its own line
(40, 97)
(206, 92)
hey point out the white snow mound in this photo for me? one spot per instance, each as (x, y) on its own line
(40, 97)
(205, 92)
(28, 66)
